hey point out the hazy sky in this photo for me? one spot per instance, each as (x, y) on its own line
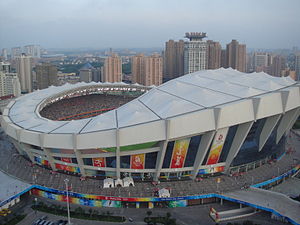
(147, 23)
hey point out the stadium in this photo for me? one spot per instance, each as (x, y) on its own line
(207, 122)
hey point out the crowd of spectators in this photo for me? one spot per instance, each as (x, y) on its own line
(71, 107)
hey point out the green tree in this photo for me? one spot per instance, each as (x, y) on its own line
(149, 213)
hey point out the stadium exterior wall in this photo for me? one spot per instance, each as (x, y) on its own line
(284, 104)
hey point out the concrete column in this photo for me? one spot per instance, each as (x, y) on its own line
(205, 142)
(240, 135)
(286, 122)
(47, 152)
(118, 159)
(78, 156)
(267, 130)
(162, 152)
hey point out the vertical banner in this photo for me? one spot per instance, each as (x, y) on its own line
(179, 152)
(137, 161)
(99, 162)
(217, 146)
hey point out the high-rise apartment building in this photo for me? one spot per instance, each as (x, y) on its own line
(46, 75)
(24, 71)
(173, 59)
(236, 56)
(278, 64)
(33, 51)
(137, 68)
(297, 65)
(213, 54)
(194, 52)
(260, 59)
(147, 70)
(112, 70)
(16, 52)
(86, 73)
(223, 58)
(9, 84)
(4, 54)
(5, 67)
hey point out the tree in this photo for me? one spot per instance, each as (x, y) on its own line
(91, 212)
(149, 213)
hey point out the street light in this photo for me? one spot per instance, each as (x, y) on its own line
(68, 205)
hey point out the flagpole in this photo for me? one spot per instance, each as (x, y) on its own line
(68, 204)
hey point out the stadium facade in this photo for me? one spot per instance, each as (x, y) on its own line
(201, 123)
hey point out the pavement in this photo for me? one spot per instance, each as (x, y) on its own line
(21, 169)
(17, 166)
(194, 215)
(290, 187)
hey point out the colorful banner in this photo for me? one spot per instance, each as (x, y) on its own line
(67, 168)
(67, 160)
(217, 169)
(110, 203)
(41, 161)
(179, 203)
(99, 162)
(179, 152)
(217, 146)
(137, 161)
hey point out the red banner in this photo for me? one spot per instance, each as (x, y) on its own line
(217, 146)
(99, 162)
(68, 160)
(137, 161)
(179, 152)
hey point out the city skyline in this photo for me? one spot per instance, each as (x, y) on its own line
(56, 24)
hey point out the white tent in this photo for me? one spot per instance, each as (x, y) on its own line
(163, 193)
(108, 183)
(127, 181)
(118, 182)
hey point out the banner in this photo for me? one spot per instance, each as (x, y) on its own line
(67, 160)
(99, 162)
(137, 161)
(67, 168)
(179, 203)
(217, 146)
(41, 161)
(110, 203)
(217, 169)
(179, 152)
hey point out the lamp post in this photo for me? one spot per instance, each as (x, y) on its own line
(68, 204)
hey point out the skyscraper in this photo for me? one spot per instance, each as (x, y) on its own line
(174, 59)
(261, 61)
(278, 64)
(5, 67)
(9, 84)
(112, 70)
(214, 50)
(236, 56)
(46, 75)
(24, 70)
(297, 65)
(33, 51)
(137, 68)
(86, 73)
(194, 52)
(16, 52)
(147, 70)
(4, 53)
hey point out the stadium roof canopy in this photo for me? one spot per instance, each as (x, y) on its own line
(189, 93)
(195, 97)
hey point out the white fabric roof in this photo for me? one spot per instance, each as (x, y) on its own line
(10, 187)
(189, 93)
